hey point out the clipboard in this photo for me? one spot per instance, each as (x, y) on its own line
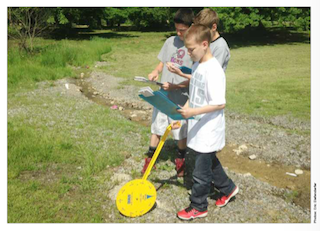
(160, 101)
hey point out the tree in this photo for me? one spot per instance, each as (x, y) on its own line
(27, 23)
(116, 15)
(150, 17)
(237, 18)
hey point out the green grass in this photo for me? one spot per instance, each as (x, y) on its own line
(61, 155)
(52, 60)
(270, 81)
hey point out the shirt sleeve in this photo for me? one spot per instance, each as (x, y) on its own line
(220, 53)
(216, 88)
(163, 52)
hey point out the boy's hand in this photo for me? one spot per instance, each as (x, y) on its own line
(186, 112)
(153, 76)
(167, 86)
(175, 125)
(172, 68)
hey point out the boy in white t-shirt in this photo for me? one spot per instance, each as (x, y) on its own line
(206, 133)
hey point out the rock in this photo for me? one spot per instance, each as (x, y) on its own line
(241, 149)
(298, 172)
(121, 109)
(81, 75)
(96, 93)
(247, 174)
(252, 157)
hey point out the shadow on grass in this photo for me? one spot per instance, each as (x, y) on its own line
(87, 34)
(265, 36)
(248, 37)
(261, 37)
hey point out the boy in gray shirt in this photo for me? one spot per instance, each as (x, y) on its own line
(173, 51)
(218, 46)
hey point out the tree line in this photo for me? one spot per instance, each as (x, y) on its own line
(26, 23)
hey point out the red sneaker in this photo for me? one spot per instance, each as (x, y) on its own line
(146, 164)
(223, 201)
(191, 213)
(180, 164)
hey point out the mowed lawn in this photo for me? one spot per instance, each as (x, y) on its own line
(270, 80)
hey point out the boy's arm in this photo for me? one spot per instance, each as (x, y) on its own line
(154, 75)
(170, 86)
(188, 112)
(177, 71)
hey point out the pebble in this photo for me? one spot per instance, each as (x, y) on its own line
(241, 149)
(252, 157)
(298, 172)
(247, 174)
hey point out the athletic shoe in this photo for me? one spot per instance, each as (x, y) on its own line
(146, 164)
(191, 213)
(180, 164)
(223, 201)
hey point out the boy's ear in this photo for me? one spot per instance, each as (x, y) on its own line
(214, 27)
(205, 43)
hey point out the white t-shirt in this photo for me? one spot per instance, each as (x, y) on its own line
(206, 133)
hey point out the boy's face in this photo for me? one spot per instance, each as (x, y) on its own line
(196, 50)
(181, 29)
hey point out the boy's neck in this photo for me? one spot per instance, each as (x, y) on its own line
(215, 35)
(206, 56)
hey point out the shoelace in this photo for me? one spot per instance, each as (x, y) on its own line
(189, 209)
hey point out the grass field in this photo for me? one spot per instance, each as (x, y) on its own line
(60, 151)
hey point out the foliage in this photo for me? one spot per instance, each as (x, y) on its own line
(237, 18)
(147, 17)
(231, 18)
(115, 15)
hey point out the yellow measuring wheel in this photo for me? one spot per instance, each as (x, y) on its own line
(138, 196)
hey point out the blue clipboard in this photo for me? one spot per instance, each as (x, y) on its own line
(160, 101)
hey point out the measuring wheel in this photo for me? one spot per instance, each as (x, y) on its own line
(138, 196)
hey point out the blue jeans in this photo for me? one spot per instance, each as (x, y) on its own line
(207, 169)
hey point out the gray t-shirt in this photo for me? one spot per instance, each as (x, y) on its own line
(220, 50)
(174, 51)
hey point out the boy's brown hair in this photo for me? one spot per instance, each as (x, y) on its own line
(199, 32)
(207, 17)
(184, 16)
